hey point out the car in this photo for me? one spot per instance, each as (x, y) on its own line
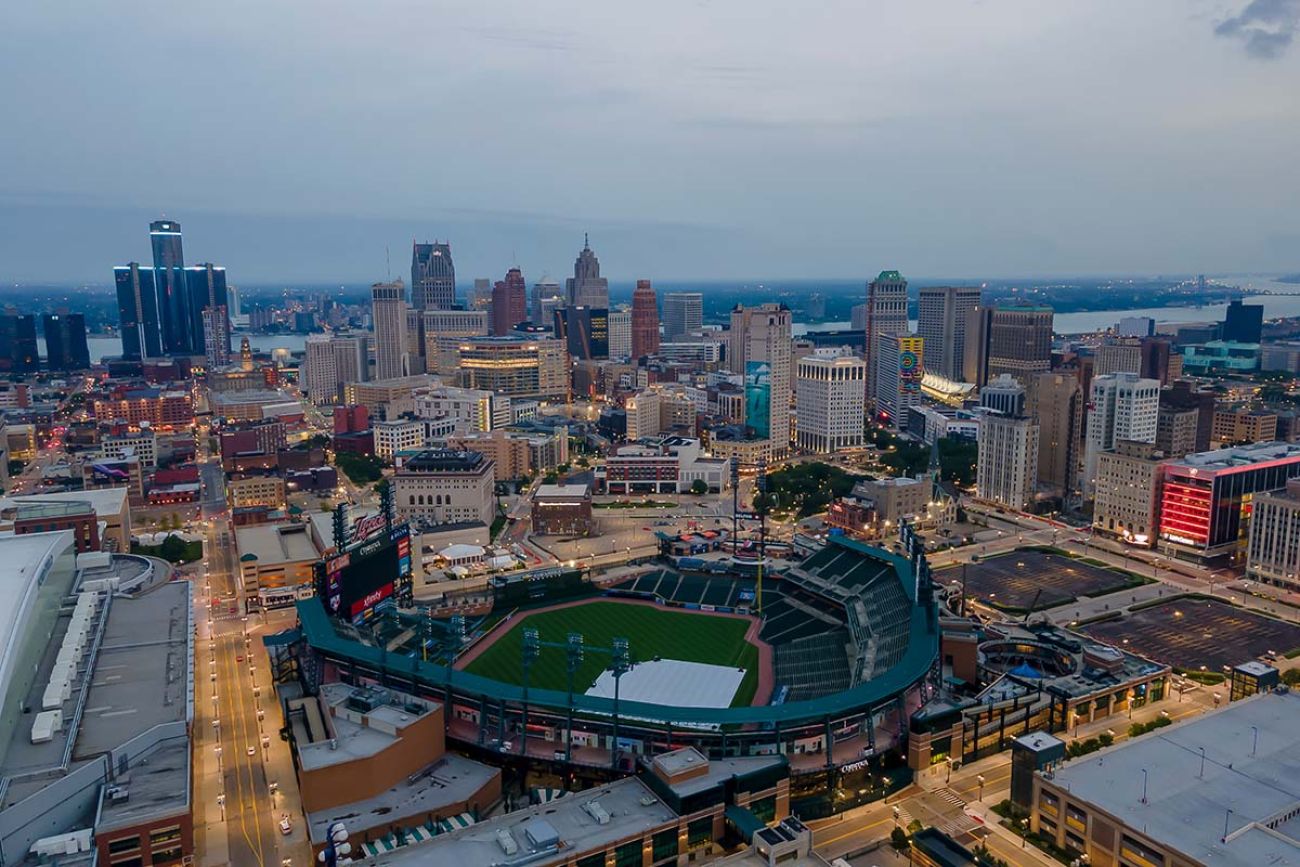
(286, 827)
(252, 751)
(239, 658)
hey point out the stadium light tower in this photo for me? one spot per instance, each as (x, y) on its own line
(455, 639)
(575, 655)
(531, 647)
(622, 662)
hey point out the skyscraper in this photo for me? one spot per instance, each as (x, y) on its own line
(886, 314)
(546, 292)
(216, 336)
(620, 334)
(1243, 323)
(65, 341)
(941, 322)
(330, 362)
(509, 303)
(1004, 395)
(1012, 340)
(137, 311)
(1123, 406)
(388, 313)
(1008, 460)
(759, 349)
(1060, 418)
(433, 277)
(586, 287)
(900, 366)
(645, 320)
(205, 286)
(829, 394)
(683, 314)
(18, 352)
(584, 330)
(169, 279)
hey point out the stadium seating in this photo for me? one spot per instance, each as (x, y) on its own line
(813, 666)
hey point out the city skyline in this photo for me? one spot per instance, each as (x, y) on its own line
(1011, 150)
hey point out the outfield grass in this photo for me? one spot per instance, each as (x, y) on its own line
(650, 632)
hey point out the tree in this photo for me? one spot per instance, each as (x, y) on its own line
(1291, 676)
(898, 839)
(699, 487)
(957, 459)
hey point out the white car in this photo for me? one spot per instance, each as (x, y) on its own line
(285, 825)
(252, 751)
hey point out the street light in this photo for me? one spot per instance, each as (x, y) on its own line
(980, 779)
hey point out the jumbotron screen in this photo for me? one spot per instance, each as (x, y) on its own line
(353, 584)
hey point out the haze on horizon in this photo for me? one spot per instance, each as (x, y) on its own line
(702, 139)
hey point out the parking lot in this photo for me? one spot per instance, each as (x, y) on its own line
(1191, 633)
(1014, 580)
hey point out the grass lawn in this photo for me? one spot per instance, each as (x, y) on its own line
(650, 632)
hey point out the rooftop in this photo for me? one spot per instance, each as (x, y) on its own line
(276, 543)
(1239, 457)
(1240, 763)
(632, 806)
(352, 740)
(443, 460)
(544, 491)
(106, 501)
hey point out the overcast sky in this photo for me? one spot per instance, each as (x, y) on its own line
(715, 138)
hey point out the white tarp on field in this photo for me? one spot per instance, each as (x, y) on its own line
(673, 682)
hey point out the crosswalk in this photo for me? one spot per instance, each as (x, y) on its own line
(951, 797)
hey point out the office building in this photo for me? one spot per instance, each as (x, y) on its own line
(205, 286)
(1206, 498)
(169, 280)
(330, 362)
(18, 348)
(398, 435)
(1240, 425)
(65, 341)
(546, 297)
(1060, 426)
(442, 331)
(158, 407)
(1013, 340)
(1124, 406)
(661, 408)
(1220, 356)
(886, 314)
(1217, 789)
(667, 465)
(1273, 553)
(562, 510)
(509, 303)
(683, 314)
(433, 277)
(900, 368)
(472, 409)
(620, 334)
(1008, 460)
(1135, 326)
(416, 346)
(388, 313)
(645, 320)
(1243, 323)
(941, 322)
(1176, 430)
(1118, 355)
(759, 350)
(1184, 394)
(515, 366)
(829, 394)
(441, 486)
(1124, 501)
(137, 312)
(584, 330)
(586, 288)
(1004, 395)
(216, 336)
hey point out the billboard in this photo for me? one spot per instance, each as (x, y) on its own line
(911, 367)
(354, 583)
(758, 398)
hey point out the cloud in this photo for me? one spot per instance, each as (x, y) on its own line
(1266, 27)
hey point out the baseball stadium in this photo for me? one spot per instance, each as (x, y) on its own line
(822, 663)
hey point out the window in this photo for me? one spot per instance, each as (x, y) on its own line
(124, 844)
(628, 855)
(664, 845)
(699, 832)
(597, 860)
(164, 836)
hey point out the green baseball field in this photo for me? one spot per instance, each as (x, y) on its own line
(650, 631)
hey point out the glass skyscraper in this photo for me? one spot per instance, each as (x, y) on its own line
(205, 286)
(137, 311)
(169, 279)
(65, 341)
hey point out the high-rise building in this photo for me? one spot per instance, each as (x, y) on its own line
(830, 390)
(18, 350)
(330, 362)
(515, 366)
(645, 320)
(1004, 395)
(585, 332)
(433, 277)
(415, 340)
(481, 297)
(1183, 394)
(137, 311)
(216, 336)
(1273, 555)
(442, 328)
(1124, 502)
(1008, 460)
(1060, 422)
(759, 349)
(65, 341)
(1243, 323)
(1014, 340)
(1123, 406)
(1135, 326)
(620, 334)
(546, 294)
(1176, 430)
(941, 323)
(683, 314)
(586, 287)
(900, 367)
(1118, 355)
(234, 306)
(886, 314)
(205, 286)
(388, 313)
(169, 279)
(509, 303)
